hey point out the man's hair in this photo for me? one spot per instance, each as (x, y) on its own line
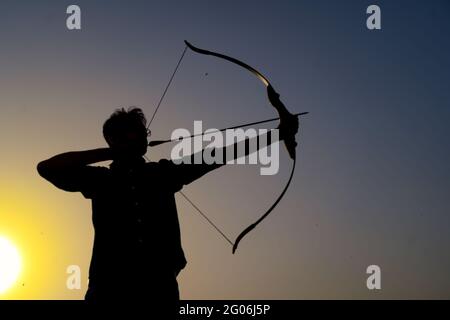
(123, 120)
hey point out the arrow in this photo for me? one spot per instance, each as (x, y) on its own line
(159, 142)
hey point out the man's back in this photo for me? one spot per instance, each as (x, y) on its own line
(136, 225)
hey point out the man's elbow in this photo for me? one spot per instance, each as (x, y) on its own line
(43, 169)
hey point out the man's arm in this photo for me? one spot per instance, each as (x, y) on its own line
(238, 149)
(65, 170)
(247, 146)
(188, 171)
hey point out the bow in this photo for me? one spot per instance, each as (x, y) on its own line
(288, 128)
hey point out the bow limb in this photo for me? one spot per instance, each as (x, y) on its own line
(253, 225)
(231, 59)
(287, 119)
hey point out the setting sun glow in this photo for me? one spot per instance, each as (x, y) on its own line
(10, 264)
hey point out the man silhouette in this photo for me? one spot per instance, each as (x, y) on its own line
(137, 252)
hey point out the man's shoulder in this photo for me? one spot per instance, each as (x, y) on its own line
(163, 167)
(160, 163)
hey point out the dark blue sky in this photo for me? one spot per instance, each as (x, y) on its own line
(373, 174)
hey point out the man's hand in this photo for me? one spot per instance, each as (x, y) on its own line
(288, 126)
(288, 129)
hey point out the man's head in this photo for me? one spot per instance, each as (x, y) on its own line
(126, 133)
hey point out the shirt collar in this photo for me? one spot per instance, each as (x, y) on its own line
(127, 163)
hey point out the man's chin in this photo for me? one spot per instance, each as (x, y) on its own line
(143, 152)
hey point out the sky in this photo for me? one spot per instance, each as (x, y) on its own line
(372, 180)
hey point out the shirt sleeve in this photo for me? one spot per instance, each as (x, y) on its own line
(85, 179)
(179, 175)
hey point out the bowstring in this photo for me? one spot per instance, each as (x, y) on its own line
(207, 219)
(148, 128)
(167, 87)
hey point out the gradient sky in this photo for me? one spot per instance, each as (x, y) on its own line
(372, 180)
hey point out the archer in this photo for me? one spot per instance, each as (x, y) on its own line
(137, 252)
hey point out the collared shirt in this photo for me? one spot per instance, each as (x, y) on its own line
(134, 214)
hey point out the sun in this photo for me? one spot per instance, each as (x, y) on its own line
(10, 264)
